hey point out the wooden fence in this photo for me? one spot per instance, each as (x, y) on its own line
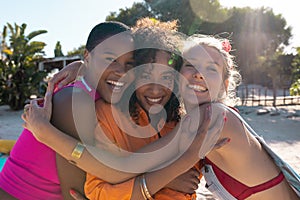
(253, 95)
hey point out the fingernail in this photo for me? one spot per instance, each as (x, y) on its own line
(228, 140)
(208, 110)
(208, 107)
(225, 118)
(72, 191)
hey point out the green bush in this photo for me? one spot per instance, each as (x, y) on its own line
(19, 74)
(295, 88)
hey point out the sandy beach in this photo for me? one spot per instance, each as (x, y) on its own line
(280, 128)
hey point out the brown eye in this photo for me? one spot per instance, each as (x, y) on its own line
(168, 77)
(189, 65)
(110, 59)
(212, 68)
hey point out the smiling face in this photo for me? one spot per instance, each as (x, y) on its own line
(155, 83)
(202, 75)
(107, 63)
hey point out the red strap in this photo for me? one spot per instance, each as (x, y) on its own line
(261, 187)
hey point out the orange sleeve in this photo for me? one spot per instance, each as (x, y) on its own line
(97, 189)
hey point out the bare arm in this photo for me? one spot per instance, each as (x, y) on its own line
(65, 76)
(156, 180)
(64, 142)
(38, 122)
(163, 151)
(64, 138)
(63, 118)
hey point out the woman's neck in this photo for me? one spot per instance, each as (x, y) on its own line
(189, 107)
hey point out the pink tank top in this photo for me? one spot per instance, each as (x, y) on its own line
(30, 172)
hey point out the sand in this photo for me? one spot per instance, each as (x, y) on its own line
(280, 128)
(10, 123)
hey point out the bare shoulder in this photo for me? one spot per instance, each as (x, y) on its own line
(241, 142)
(236, 131)
(71, 108)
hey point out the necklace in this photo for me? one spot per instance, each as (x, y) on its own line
(85, 84)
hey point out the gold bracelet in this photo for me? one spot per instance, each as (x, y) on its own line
(78, 150)
(142, 190)
(146, 191)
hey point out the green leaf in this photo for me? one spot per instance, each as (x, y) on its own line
(35, 33)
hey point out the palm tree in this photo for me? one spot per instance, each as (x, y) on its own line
(19, 74)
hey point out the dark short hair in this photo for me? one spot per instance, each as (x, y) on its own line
(102, 31)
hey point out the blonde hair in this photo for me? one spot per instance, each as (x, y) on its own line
(154, 23)
(230, 71)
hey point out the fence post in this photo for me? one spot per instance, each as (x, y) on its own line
(259, 96)
(252, 91)
(284, 96)
(266, 90)
(247, 94)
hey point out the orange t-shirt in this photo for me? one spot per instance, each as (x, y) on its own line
(110, 120)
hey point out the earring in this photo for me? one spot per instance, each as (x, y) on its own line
(173, 58)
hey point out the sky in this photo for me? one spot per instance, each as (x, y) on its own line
(69, 21)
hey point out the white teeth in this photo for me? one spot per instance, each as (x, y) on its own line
(154, 100)
(116, 83)
(197, 88)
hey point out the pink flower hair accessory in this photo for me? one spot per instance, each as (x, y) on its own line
(226, 46)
